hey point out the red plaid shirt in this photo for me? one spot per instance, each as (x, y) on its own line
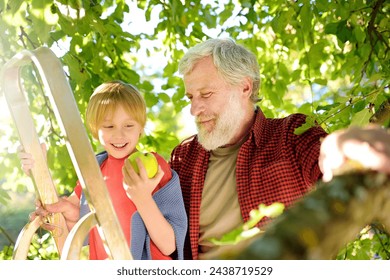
(273, 165)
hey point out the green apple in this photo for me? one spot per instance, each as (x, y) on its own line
(148, 160)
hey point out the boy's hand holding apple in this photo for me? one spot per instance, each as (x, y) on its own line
(141, 175)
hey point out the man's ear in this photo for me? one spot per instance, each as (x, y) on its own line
(247, 87)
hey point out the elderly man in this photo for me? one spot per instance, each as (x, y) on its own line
(239, 158)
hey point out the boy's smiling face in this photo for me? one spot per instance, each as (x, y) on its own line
(119, 133)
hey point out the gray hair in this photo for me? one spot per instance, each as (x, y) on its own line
(233, 62)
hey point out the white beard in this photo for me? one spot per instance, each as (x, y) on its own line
(226, 125)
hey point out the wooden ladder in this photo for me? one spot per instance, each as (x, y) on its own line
(102, 215)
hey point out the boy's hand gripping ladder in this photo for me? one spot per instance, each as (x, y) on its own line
(102, 213)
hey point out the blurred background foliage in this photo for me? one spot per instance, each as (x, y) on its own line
(327, 59)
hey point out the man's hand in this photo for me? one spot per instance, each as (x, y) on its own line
(68, 206)
(357, 148)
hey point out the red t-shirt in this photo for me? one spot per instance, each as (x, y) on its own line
(124, 207)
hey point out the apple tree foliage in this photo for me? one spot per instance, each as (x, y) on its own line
(327, 59)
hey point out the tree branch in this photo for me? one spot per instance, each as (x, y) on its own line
(326, 219)
(382, 115)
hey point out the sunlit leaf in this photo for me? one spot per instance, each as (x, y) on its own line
(249, 229)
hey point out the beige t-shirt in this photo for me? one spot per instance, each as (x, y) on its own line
(219, 210)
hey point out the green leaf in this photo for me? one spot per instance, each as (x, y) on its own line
(15, 5)
(319, 81)
(316, 54)
(310, 122)
(359, 33)
(361, 118)
(305, 108)
(358, 106)
(42, 18)
(164, 97)
(331, 28)
(344, 32)
(249, 229)
(306, 17)
(273, 210)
